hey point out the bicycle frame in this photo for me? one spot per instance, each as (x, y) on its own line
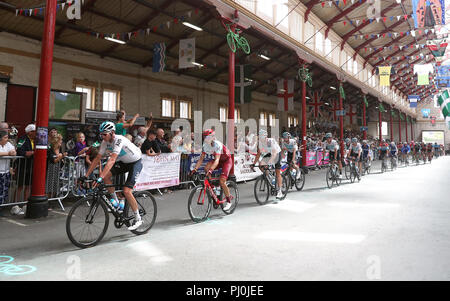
(207, 186)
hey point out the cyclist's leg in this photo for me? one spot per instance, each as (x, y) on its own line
(133, 174)
(226, 168)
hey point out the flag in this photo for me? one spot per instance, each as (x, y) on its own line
(159, 57)
(243, 85)
(413, 100)
(366, 102)
(444, 103)
(285, 93)
(385, 75)
(317, 103)
(437, 47)
(186, 53)
(381, 108)
(342, 92)
(427, 16)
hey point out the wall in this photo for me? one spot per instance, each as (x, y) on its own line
(424, 124)
(140, 88)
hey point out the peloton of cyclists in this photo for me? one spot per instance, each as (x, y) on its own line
(290, 145)
(355, 154)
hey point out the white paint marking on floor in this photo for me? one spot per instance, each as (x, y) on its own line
(362, 204)
(61, 213)
(145, 248)
(14, 222)
(292, 206)
(313, 237)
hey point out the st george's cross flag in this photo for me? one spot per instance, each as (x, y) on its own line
(243, 84)
(285, 94)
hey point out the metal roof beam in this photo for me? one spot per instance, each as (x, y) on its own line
(342, 14)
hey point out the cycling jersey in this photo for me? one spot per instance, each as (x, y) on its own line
(216, 147)
(356, 148)
(269, 146)
(365, 150)
(333, 146)
(417, 148)
(384, 147)
(290, 146)
(406, 149)
(125, 149)
(393, 149)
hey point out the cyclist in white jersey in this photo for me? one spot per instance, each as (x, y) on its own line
(269, 148)
(355, 152)
(290, 145)
(124, 157)
(332, 146)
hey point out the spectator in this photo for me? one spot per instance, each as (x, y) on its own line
(6, 149)
(122, 125)
(150, 147)
(129, 137)
(163, 146)
(54, 158)
(81, 147)
(91, 154)
(25, 148)
(142, 131)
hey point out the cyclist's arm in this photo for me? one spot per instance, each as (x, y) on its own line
(199, 162)
(258, 154)
(111, 161)
(216, 162)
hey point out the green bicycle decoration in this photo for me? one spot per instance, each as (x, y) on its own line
(305, 76)
(235, 41)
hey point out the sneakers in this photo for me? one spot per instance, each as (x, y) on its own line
(298, 174)
(228, 204)
(121, 205)
(135, 224)
(340, 176)
(16, 210)
(279, 194)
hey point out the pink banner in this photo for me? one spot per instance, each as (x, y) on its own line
(321, 160)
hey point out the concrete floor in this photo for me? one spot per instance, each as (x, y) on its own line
(391, 226)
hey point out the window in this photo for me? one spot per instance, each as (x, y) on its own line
(309, 32)
(237, 115)
(263, 118)
(185, 109)
(319, 42)
(167, 107)
(111, 100)
(292, 121)
(384, 128)
(272, 119)
(282, 13)
(328, 47)
(296, 23)
(349, 63)
(265, 7)
(223, 114)
(355, 67)
(250, 5)
(90, 95)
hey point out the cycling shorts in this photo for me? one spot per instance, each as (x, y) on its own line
(226, 166)
(290, 157)
(133, 170)
(355, 155)
(333, 156)
(277, 162)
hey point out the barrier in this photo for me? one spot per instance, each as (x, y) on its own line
(15, 180)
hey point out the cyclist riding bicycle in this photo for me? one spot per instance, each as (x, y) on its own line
(222, 159)
(405, 151)
(124, 157)
(393, 150)
(347, 145)
(270, 149)
(366, 151)
(383, 149)
(290, 145)
(332, 146)
(355, 153)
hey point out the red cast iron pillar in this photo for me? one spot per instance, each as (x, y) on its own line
(38, 202)
(341, 121)
(364, 122)
(412, 132)
(406, 126)
(380, 125)
(304, 123)
(399, 126)
(231, 83)
(391, 126)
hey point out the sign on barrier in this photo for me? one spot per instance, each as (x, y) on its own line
(242, 169)
(159, 172)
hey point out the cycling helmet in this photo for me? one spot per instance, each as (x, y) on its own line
(107, 127)
(328, 135)
(405, 142)
(364, 141)
(354, 140)
(347, 140)
(208, 133)
(393, 143)
(382, 140)
(286, 135)
(262, 133)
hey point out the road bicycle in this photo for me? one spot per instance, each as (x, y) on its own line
(209, 194)
(266, 185)
(354, 173)
(88, 220)
(333, 175)
(405, 159)
(417, 156)
(393, 162)
(366, 166)
(384, 163)
(235, 41)
(290, 173)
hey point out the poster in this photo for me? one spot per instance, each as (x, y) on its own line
(433, 136)
(242, 169)
(65, 106)
(159, 172)
(426, 113)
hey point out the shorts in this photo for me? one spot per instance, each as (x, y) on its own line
(334, 157)
(277, 163)
(355, 155)
(226, 166)
(290, 157)
(133, 170)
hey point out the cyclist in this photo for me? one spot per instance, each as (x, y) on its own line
(366, 153)
(393, 152)
(290, 145)
(430, 151)
(417, 150)
(222, 159)
(405, 151)
(124, 157)
(436, 149)
(333, 147)
(383, 149)
(355, 154)
(269, 148)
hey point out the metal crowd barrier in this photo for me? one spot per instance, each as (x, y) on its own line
(15, 180)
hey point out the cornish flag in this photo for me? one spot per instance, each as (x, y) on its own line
(243, 84)
(285, 93)
(159, 57)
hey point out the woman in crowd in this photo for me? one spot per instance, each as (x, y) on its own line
(54, 158)
(6, 149)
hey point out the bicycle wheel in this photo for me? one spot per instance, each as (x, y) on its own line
(199, 204)
(231, 42)
(352, 174)
(243, 43)
(284, 186)
(261, 190)
(87, 222)
(347, 171)
(235, 193)
(330, 178)
(300, 182)
(147, 210)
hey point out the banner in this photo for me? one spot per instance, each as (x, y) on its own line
(428, 13)
(187, 53)
(159, 57)
(242, 169)
(285, 94)
(413, 100)
(426, 113)
(385, 76)
(159, 172)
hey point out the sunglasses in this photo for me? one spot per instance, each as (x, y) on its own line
(104, 134)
